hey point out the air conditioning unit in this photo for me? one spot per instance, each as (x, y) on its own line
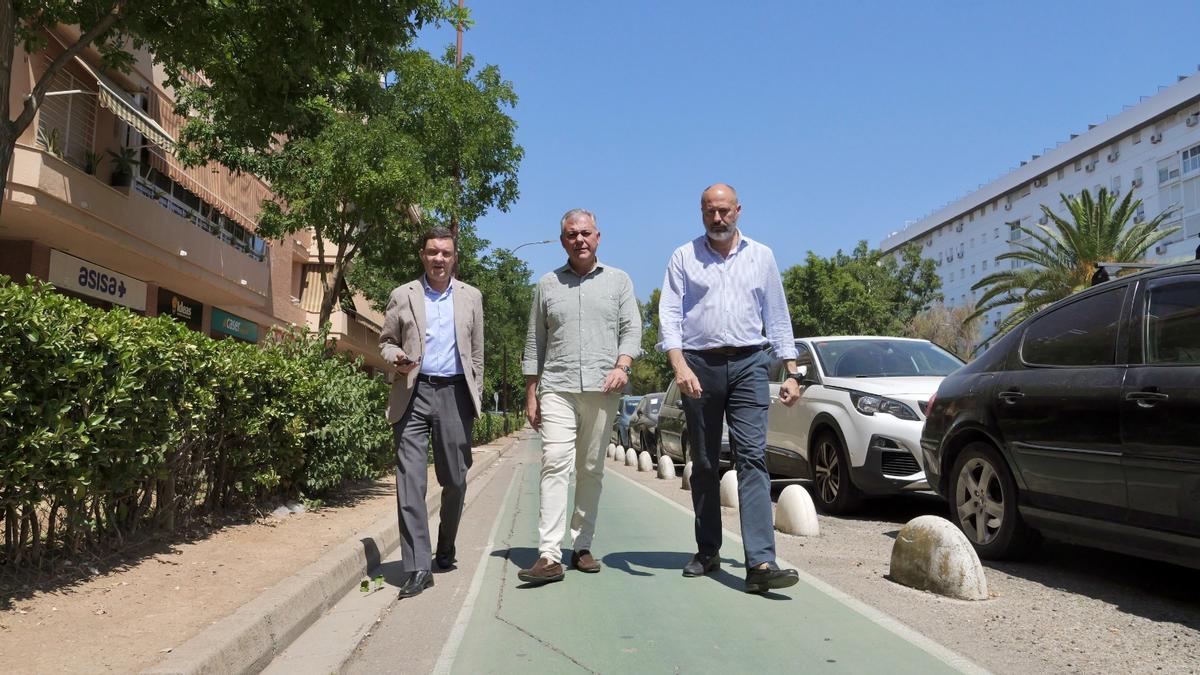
(1136, 182)
(1161, 249)
(1139, 218)
(1043, 220)
(1112, 156)
(1008, 207)
(960, 255)
(1192, 120)
(1156, 138)
(958, 227)
(1090, 166)
(1039, 182)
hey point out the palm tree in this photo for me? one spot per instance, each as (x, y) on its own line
(1066, 253)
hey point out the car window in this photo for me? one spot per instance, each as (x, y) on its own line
(780, 372)
(1173, 322)
(1083, 333)
(630, 406)
(672, 394)
(885, 358)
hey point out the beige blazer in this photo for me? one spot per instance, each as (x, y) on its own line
(404, 335)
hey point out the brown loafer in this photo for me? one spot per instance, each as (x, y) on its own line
(584, 562)
(543, 571)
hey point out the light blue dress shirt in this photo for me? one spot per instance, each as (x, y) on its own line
(441, 343)
(710, 301)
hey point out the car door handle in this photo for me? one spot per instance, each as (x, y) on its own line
(1146, 399)
(1010, 397)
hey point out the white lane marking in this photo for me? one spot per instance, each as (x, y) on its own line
(902, 630)
(445, 661)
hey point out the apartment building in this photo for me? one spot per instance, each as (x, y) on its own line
(1152, 148)
(97, 205)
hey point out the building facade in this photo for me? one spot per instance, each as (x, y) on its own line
(1152, 148)
(97, 205)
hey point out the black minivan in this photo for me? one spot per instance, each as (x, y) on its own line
(1082, 423)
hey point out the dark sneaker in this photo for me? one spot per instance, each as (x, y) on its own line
(445, 559)
(584, 562)
(771, 577)
(543, 572)
(701, 564)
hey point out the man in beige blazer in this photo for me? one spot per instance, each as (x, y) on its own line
(433, 336)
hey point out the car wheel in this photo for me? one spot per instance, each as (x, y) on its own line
(832, 490)
(983, 503)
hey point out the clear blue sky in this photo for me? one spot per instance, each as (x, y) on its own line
(836, 121)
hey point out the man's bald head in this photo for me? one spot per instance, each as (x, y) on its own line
(720, 209)
(719, 188)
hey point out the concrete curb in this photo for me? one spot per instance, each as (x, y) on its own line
(247, 640)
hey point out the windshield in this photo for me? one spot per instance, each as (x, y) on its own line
(885, 358)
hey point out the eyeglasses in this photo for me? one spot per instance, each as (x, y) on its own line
(723, 211)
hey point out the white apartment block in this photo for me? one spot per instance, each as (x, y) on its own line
(1152, 148)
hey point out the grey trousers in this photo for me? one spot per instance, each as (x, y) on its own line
(735, 389)
(441, 413)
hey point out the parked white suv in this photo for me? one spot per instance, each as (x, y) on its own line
(856, 430)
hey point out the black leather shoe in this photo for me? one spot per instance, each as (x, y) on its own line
(701, 564)
(762, 580)
(445, 559)
(417, 582)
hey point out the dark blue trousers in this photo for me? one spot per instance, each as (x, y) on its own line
(736, 389)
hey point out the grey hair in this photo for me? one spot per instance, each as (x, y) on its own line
(575, 213)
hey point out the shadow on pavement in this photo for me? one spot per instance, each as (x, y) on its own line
(523, 557)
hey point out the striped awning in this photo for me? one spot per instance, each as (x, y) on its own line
(123, 106)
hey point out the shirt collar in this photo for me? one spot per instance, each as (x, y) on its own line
(567, 268)
(430, 290)
(743, 242)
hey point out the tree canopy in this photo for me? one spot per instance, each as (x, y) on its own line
(863, 293)
(260, 64)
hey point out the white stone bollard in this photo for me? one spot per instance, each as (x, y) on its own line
(931, 554)
(666, 467)
(687, 476)
(795, 512)
(631, 457)
(729, 493)
(611, 450)
(645, 463)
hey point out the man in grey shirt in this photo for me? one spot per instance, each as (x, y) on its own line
(584, 332)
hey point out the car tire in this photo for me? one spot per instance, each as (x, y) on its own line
(982, 489)
(833, 491)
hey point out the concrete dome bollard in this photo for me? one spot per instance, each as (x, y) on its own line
(795, 512)
(631, 457)
(729, 492)
(644, 462)
(666, 468)
(612, 449)
(687, 476)
(931, 554)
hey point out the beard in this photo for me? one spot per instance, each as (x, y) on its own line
(721, 235)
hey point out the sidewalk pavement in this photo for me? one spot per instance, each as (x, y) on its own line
(248, 639)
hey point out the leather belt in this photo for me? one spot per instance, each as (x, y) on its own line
(440, 379)
(731, 351)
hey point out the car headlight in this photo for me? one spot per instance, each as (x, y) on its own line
(869, 404)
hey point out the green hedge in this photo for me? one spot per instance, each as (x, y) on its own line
(490, 426)
(112, 423)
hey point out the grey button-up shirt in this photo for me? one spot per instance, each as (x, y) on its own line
(578, 326)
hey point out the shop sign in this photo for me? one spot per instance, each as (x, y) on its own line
(180, 308)
(232, 324)
(80, 276)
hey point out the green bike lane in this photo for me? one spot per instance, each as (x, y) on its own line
(639, 614)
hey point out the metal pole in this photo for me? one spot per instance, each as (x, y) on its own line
(504, 386)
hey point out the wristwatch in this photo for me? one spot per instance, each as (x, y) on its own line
(627, 369)
(798, 377)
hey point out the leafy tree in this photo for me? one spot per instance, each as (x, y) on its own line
(949, 327)
(435, 136)
(255, 85)
(863, 293)
(651, 371)
(1065, 253)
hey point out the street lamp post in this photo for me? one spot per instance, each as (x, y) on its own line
(504, 344)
